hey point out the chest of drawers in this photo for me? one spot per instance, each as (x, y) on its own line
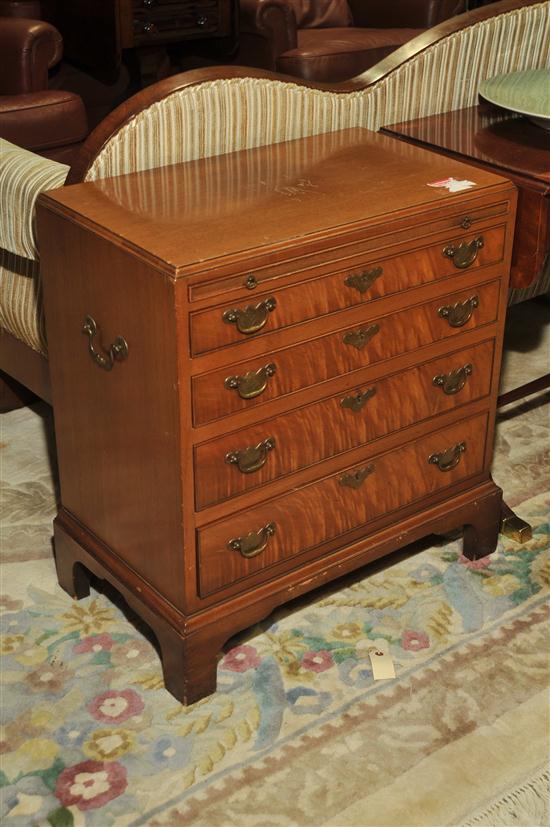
(270, 368)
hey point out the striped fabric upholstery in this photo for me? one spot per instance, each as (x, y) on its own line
(23, 176)
(225, 115)
(221, 116)
(21, 311)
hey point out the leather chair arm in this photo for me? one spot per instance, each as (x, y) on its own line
(416, 14)
(273, 20)
(42, 120)
(28, 48)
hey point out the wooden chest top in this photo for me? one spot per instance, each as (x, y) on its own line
(270, 198)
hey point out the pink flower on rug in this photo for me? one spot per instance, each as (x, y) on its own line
(317, 661)
(91, 784)
(115, 706)
(94, 643)
(482, 563)
(241, 658)
(414, 641)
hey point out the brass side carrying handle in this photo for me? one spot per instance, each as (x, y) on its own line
(359, 338)
(454, 381)
(252, 458)
(354, 479)
(362, 281)
(251, 384)
(251, 318)
(458, 314)
(254, 543)
(118, 351)
(465, 253)
(357, 401)
(448, 459)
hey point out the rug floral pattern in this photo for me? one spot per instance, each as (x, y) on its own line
(90, 736)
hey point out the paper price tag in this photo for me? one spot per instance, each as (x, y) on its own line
(382, 665)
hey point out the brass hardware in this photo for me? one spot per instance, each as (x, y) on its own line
(454, 381)
(466, 222)
(252, 383)
(448, 459)
(458, 314)
(254, 543)
(252, 458)
(251, 282)
(513, 526)
(359, 338)
(362, 281)
(354, 479)
(251, 318)
(465, 254)
(355, 403)
(118, 351)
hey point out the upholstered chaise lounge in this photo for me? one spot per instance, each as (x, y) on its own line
(214, 111)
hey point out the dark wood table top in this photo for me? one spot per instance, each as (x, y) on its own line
(507, 142)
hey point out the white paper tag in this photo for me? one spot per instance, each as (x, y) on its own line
(382, 665)
(453, 184)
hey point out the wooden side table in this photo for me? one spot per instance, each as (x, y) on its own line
(511, 145)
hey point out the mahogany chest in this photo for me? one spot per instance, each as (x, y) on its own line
(270, 368)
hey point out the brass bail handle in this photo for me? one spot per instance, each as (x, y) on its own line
(251, 318)
(465, 253)
(454, 381)
(362, 281)
(116, 352)
(448, 459)
(254, 543)
(251, 384)
(458, 314)
(252, 458)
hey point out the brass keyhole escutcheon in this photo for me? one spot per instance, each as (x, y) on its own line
(359, 338)
(363, 281)
(354, 479)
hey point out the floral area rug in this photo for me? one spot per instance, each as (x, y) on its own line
(298, 732)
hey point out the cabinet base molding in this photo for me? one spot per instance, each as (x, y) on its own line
(190, 644)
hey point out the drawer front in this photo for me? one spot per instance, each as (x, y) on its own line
(357, 245)
(358, 282)
(255, 539)
(227, 391)
(257, 455)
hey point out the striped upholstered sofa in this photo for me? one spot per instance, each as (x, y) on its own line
(214, 111)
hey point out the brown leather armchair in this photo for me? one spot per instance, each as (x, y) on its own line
(50, 122)
(332, 40)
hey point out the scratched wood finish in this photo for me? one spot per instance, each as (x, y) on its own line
(314, 299)
(329, 356)
(313, 432)
(324, 510)
(142, 496)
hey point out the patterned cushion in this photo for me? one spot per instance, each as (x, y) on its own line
(23, 176)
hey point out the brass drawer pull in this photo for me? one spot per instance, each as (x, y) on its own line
(252, 458)
(356, 402)
(458, 314)
(359, 338)
(454, 381)
(254, 543)
(446, 460)
(362, 281)
(465, 253)
(354, 479)
(252, 384)
(118, 351)
(251, 318)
